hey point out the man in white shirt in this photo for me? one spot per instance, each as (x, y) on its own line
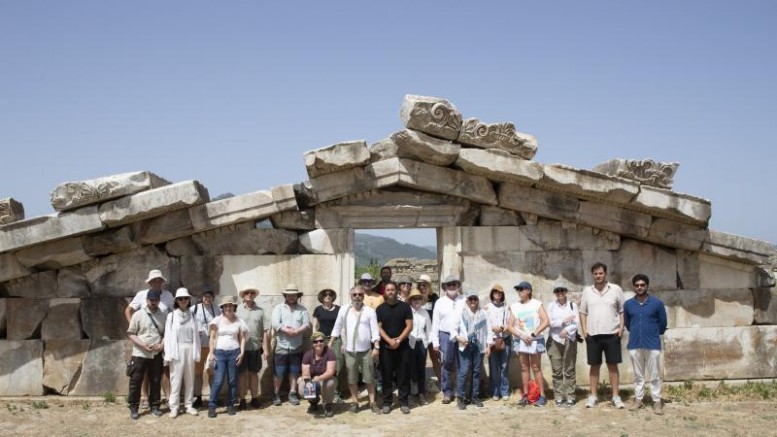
(445, 322)
(358, 325)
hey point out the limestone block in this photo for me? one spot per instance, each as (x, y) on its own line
(336, 157)
(245, 207)
(327, 241)
(646, 171)
(103, 318)
(681, 207)
(764, 302)
(551, 235)
(672, 233)
(11, 268)
(54, 255)
(614, 219)
(246, 240)
(37, 285)
(720, 353)
(3, 318)
(75, 194)
(160, 229)
(302, 220)
(499, 165)
(49, 227)
(152, 203)
(707, 308)
(103, 369)
(495, 216)
(343, 183)
(122, 275)
(182, 246)
(588, 184)
(490, 239)
(542, 203)
(715, 272)
(71, 282)
(383, 149)
(62, 361)
(633, 257)
(529, 218)
(764, 277)
(427, 177)
(109, 241)
(24, 317)
(10, 211)
(421, 147)
(21, 368)
(431, 115)
(62, 321)
(500, 136)
(200, 271)
(738, 248)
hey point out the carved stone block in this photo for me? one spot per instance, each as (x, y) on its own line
(499, 165)
(542, 203)
(72, 195)
(327, 241)
(54, 255)
(10, 211)
(676, 206)
(614, 219)
(427, 177)
(152, 203)
(122, 275)
(25, 317)
(644, 171)
(163, 228)
(38, 230)
(425, 148)
(246, 207)
(633, 257)
(383, 149)
(336, 157)
(501, 136)
(588, 184)
(62, 361)
(495, 216)
(706, 308)
(21, 368)
(675, 234)
(302, 220)
(431, 115)
(197, 272)
(738, 248)
(246, 240)
(71, 282)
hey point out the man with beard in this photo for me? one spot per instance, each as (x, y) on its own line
(445, 322)
(146, 330)
(395, 321)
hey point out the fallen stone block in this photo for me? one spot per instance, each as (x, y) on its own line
(542, 203)
(72, 195)
(11, 268)
(500, 136)
(425, 148)
(302, 220)
(45, 228)
(246, 207)
(737, 248)
(336, 157)
(62, 364)
(431, 115)
(103, 318)
(62, 321)
(152, 203)
(614, 219)
(54, 255)
(164, 228)
(37, 285)
(10, 211)
(103, 369)
(21, 368)
(383, 149)
(645, 171)
(499, 165)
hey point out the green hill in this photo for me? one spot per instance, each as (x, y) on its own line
(369, 248)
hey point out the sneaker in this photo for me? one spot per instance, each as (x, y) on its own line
(636, 405)
(559, 402)
(570, 402)
(197, 402)
(506, 398)
(618, 403)
(354, 408)
(422, 399)
(386, 409)
(541, 402)
(658, 408)
(192, 411)
(173, 413)
(446, 399)
(212, 413)
(338, 399)
(375, 408)
(495, 398)
(134, 415)
(523, 402)
(276, 399)
(313, 408)
(461, 405)
(293, 399)
(144, 404)
(242, 405)
(478, 403)
(328, 411)
(591, 402)
(404, 409)
(231, 410)
(255, 403)
(156, 411)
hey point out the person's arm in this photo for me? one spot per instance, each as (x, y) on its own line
(374, 333)
(214, 333)
(435, 337)
(266, 345)
(626, 318)
(582, 327)
(128, 312)
(329, 373)
(315, 323)
(306, 371)
(168, 338)
(511, 324)
(662, 322)
(338, 327)
(427, 326)
(132, 330)
(242, 335)
(305, 323)
(543, 321)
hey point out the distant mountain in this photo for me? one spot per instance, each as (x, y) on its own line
(382, 249)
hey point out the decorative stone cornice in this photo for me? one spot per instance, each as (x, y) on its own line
(10, 211)
(645, 171)
(72, 195)
(432, 115)
(501, 136)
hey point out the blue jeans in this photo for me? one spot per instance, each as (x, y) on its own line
(470, 359)
(449, 360)
(226, 365)
(499, 370)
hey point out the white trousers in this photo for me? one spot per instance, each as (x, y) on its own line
(645, 365)
(182, 370)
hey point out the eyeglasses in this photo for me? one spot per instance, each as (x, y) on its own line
(318, 341)
(178, 299)
(250, 292)
(641, 285)
(357, 295)
(560, 290)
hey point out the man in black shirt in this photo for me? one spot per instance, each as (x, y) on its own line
(395, 321)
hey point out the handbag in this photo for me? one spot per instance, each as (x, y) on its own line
(499, 344)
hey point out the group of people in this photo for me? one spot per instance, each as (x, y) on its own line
(382, 340)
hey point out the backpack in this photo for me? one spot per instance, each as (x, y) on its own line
(533, 392)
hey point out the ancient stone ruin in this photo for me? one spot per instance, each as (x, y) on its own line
(65, 278)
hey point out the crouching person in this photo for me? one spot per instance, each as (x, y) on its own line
(318, 375)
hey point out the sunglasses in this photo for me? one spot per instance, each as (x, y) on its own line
(318, 341)
(178, 299)
(640, 285)
(329, 294)
(357, 295)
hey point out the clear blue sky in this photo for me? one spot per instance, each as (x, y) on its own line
(233, 93)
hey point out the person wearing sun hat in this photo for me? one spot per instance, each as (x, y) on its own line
(182, 350)
(324, 318)
(291, 321)
(430, 298)
(445, 323)
(318, 373)
(257, 346)
(499, 361)
(474, 339)
(419, 339)
(526, 322)
(228, 336)
(372, 298)
(204, 312)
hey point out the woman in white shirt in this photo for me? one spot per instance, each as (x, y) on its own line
(227, 344)
(499, 361)
(419, 339)
(182, 350)
(526, 322)
(562, 345)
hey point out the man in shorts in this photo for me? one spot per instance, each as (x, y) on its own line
(290, 320)
(257, 346)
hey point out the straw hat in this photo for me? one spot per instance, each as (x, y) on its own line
(242, 293)
(155, 274)
(292, 289)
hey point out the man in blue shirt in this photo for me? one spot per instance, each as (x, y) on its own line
(645, 318)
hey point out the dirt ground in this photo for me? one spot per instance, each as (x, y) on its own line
(56, 416)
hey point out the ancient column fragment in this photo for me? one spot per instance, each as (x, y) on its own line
(152, 203)
(501, 136)
(38, 230)
(421, 147)
(431, 115)
(499, 165)
(252, 206)
(10, 211)
(645, 171)
(72, 195)
(336, 157)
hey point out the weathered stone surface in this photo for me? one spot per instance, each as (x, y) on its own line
(588, 184)
(765, 303)
(37, 285)
(74, 194)
(10, 211)
(675, 234)
(540, 237)
(109, 241)
(343, 183)
(738, 248)
(336, 157)
(246, 240)
(383, 149)
(62, 321)
(421, 147)
(327, 241)
(764, 277)
(499, 165)
(182, 246)
(163, 228)
(644, 171)
(3, 318)
(71, 282)
(380, 209)
(103, 318)
(246, 207)
(302, 220)
(25, 317)
(633, 257)
(62, 364)
(11, 268)
(198, 272)
(501, 136)
(122, 275)
(21, 368)
(49, 227)
(431, 115)
(715, 272)
(54, 255)
(706, 308)
(495, 216)
(720, 353)
(103, 369)
(681, 207)
(614, 219)
(531, 200)
(152, 203)
(427, 177)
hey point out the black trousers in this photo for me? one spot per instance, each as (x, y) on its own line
(139, 368)
(395, 364)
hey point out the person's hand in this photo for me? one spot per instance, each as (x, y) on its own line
(528, 339)
(239, 358)
(563, 334)
(569, 319)
(266, 356)
(619, 333)
(464, 341)
(395, 343)
(496, 329)
(436, 349)
(488, 352)
(374, 353)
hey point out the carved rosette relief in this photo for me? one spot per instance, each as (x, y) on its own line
(645, 171)
(502, 136)
(434, 116)
(81, 193)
